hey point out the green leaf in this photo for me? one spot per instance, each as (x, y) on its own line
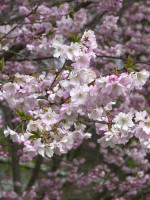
(130, 63)
(75, 37)
(130, 59)
(79, 38)
(30, 2)
(32, 137)
(22, 115)
(58, 78)
(36, 134)
(50, 33)
(59, 3)
(133, 66)
(29, 117)
(1, 42)
(70, 68)
(2, 65)
(71, 15)
(131, 163)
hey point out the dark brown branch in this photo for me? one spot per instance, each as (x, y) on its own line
(82, 5)
(13, 152)
(34, 59)
(14, 49)
(99, 122)
(121, 58)
(24, 57)
(58, 74)
(15, 167)
(95, 20)
(35, 172)
(95, 121)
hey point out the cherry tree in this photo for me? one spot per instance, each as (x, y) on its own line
(74, 97)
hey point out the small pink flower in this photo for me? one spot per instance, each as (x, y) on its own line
(26, 143)
(113, 78)
(109, 120)
(16, 119)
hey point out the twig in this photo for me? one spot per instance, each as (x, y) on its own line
(34, 59)
(18, 54)
(58, 74)
(121, 58)
(22, 20)
(7, 55)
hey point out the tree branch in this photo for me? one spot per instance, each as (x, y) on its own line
(121, 58)
(35, 172)
(7, 55)
(15, 167)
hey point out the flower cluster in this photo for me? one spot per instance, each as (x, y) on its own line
(74, 81)
(54, 105)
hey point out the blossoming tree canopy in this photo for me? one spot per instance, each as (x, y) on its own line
(75, 79)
